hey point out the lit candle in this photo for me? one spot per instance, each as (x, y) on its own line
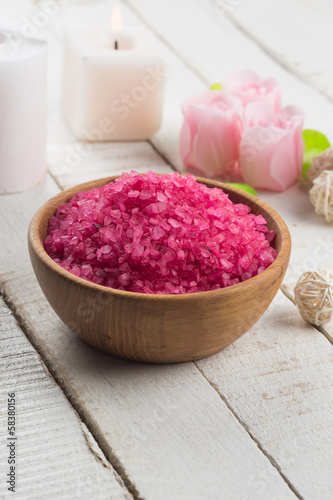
(113, 83)
(22, 112)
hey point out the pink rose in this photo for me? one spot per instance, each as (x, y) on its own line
(209, 139)
(272, 146)
(247, 86)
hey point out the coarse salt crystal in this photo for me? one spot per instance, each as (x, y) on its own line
(161, 234)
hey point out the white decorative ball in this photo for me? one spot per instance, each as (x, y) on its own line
(314, 296)
(322, 162)
(321, 194)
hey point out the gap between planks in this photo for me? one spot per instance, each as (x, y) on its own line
(172, 49)
(270, 52)
(113, 459)
(245, 427)
(65, 434)
(156, 149)
(161, 155)
(88, 424)
(170, 164)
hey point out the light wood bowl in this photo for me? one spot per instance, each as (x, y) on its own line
(157, 328)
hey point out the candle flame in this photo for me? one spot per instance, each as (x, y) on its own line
(116, 19)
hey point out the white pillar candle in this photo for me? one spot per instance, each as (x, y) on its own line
(22, 112)
(113, 84)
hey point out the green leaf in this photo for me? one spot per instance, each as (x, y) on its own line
(315, 140)
(243, 187)
(315, 144)
(216, 86)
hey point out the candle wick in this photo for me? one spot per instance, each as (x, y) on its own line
(115, 45)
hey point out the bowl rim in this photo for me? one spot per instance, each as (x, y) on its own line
(37, 246)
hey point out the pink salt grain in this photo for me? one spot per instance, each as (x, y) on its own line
(154, 234)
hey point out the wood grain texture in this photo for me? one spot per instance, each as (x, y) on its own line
(55, 454)
(169, 441)
(278, 380)
(69, 167)
(307, 35)
(145, 327)
(164, 426)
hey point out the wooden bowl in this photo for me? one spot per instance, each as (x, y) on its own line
(157, 328)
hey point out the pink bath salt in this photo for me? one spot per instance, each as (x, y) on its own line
(159, 234)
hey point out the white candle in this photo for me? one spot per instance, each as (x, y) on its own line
(113, 84)
(22, 112)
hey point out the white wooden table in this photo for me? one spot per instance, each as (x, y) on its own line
(254, 421)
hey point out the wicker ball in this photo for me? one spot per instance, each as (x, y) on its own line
(314, 296)
(321, 194)
(320, 163)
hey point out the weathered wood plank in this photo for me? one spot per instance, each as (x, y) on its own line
(113, 381)
(296, 33)
(165, 426)
(55, 454)
(70, 167)
(278, 379)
